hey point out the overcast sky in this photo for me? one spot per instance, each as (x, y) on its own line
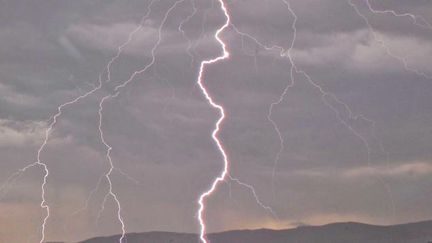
(362, 152)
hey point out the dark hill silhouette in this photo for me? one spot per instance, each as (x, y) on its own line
(420, 232)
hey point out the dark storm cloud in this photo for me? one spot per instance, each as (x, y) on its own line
(160, 125)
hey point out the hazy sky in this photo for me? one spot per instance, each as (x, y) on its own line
(373, 165)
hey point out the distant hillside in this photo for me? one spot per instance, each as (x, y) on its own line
(420, 232)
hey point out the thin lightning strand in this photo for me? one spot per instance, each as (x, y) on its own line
(225, 171)
(129, 39)
(44, 204)
(351, 116)
(281, 97)
(101, 134)
(170, 86)
(203, 24)
(48, 131)
(4, 189)
(284, 53)
(324, 94)
(255, 195)
(153, 51)
(108, 79)
(109, 148)
(110, 170)
(188, 50)
(384, 45)
(180, 28)
(414, 18)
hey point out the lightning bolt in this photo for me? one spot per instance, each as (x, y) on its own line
(217, 106)
(225, 171)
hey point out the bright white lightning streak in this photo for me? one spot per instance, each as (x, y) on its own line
(225, 171)
(383, 43)
(238, 181)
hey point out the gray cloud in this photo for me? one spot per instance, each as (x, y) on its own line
(160, 125)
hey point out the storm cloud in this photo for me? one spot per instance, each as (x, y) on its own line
(159, 126)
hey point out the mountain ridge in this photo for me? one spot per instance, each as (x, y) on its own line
(343, 232)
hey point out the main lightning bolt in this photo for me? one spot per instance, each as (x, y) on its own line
(225, 171)
(325, 95)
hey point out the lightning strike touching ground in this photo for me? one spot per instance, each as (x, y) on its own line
(248, 186)
(225, 171)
